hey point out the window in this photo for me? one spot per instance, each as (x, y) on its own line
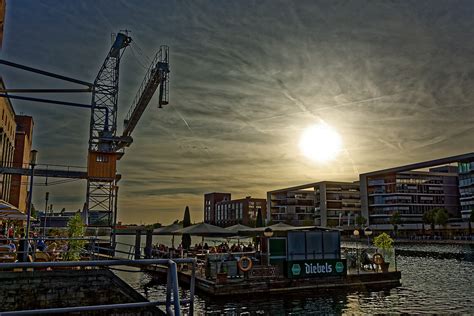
(102, 158)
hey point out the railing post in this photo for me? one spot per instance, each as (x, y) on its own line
(191, 288)
(169, 280)
(174, 277)
(138, 236)
(148, 245)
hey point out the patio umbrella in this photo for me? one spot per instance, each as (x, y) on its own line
(204, 230)
(238, 228)
(10, 212)
(168, 230)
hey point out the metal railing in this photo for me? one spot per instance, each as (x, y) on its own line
(362, 260)
(172, 302)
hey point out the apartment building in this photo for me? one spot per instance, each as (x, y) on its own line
(220, 210)
(210, 201)
(466, 188)
(326, 203)
(414, 189)
(7, 143)
(21, 159)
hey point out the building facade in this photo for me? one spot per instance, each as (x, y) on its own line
(21, 159)
(240, 211)
(3, 4)
(466, 188)
(7, 143)
(221, 210)
(326, 203)
(210, 200)
(414, 189)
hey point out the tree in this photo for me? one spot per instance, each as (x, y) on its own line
(441, 217)
(186, 239)
(395, 220)
(75, 229)
(360, 220)
(429, 218)
(469, 220)
(259, 219)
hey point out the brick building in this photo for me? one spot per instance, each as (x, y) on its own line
(220, 210)
(23, 142)
(7, 143)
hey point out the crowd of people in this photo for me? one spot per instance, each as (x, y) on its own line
(163, 251)
(13, 246)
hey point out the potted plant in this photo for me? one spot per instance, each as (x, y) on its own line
(384, 244)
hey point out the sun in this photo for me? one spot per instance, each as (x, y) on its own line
(320, 143)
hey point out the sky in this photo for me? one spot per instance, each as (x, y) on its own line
(394, 78)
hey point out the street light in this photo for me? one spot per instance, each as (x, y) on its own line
(33, 154)
(268, 232)
(45, 213)
(368, 232)
(356, 234)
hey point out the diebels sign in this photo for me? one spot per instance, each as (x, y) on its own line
(315, 268)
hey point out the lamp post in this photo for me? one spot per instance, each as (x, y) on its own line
(33, 154)
(356, 234)
(368, 232)
(45, 213)
(268, 232)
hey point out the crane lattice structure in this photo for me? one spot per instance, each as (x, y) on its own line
(105, 146)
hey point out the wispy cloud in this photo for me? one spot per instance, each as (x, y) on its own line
(394, 78)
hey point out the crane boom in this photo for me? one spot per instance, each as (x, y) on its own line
(156, 75)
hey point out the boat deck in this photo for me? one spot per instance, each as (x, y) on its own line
(279, 284)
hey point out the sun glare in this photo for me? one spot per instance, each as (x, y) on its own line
(320, 143)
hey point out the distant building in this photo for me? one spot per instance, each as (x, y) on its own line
(412, 190)
(466, 188)
(210, 200)
(326, 203)
(7, 143)
(3, 4)
(55, 220)
(21, 159)
(220, 210)
(240, 211)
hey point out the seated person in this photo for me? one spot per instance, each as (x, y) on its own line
(12, 246)
(40, 245)
(4, 247)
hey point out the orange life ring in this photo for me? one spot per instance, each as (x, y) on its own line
(378, 259)
(245, 264)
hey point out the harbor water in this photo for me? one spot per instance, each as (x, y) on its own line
(435, 279)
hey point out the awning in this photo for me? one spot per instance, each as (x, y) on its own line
(10, 212)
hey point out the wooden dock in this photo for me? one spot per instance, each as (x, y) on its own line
(277, 285)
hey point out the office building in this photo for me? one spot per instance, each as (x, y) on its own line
(326, 203)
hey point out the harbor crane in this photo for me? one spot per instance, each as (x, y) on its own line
(106, 145)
